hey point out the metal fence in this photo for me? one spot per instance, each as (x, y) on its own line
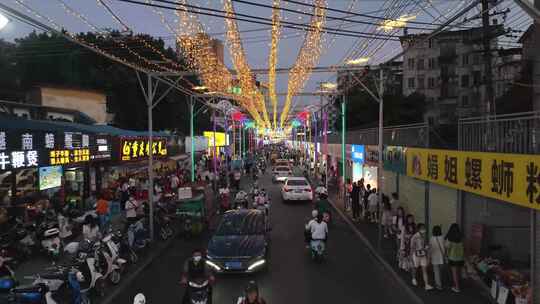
(412, 135)
(509, 133)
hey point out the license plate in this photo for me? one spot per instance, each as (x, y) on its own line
(233, 265)
(298, 191)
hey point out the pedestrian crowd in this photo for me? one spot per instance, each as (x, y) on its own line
(416, 254)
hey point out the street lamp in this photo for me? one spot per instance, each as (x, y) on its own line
(3, 21)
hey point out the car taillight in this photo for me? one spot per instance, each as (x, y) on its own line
(286, 189)
(307, 189)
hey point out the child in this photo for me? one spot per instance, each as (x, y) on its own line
(387, 218)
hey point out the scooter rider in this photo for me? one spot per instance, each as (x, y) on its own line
(195, 269)
(323, 206)
(252, 295)
(318, 229)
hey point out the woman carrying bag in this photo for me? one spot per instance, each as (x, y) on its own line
(438, 255)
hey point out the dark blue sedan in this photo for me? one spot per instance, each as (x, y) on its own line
(240, 243)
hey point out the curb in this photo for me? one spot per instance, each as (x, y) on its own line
(378, 257)
(108, 299)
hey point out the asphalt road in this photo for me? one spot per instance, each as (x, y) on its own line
(349, 275)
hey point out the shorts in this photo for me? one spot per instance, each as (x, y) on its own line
(420, 261)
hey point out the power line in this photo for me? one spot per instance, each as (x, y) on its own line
(358, 14)
(327, 17)
(294, 26)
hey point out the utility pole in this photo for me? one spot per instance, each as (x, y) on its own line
(380, 153)
(192, 132)
(488, 77)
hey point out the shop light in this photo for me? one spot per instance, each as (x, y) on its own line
(357, 61)
(329, 85)
(199, 88)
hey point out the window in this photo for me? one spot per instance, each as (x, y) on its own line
(464, 101)
(431, 63)
(465, 59)
(421, 82)
(411, 83)
(430, 43)
(420, 64)
(410, 63)
(464, 81)
(477, 78)
(431, 82)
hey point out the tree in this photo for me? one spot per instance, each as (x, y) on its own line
(50, 59)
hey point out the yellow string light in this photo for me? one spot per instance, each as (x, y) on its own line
(272, 58)
(307, 57)
(236, 49)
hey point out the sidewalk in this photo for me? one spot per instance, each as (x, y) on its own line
(470, 294)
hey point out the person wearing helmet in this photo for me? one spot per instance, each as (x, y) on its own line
(139, 299)
(196, 269)
(322, 205)
(252, 295)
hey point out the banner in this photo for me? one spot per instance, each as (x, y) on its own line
(513, 178)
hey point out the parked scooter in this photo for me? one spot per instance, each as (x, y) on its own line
(49, 236)
(163, 224)
(108, 263)
(137, 235)
(85, 260)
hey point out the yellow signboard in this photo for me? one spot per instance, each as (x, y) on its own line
(221, 139)
(514, 178)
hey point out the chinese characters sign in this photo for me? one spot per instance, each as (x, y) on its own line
(514, 178)
(138, 148)
(65, 157)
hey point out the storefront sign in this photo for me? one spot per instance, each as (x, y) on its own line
(221, 139)
(394, 159)
(50, 177)
(371, 157)
(101, 149)
(357, 153)
(138, 148)
(18, 160)
(66, 157)
(514, 178)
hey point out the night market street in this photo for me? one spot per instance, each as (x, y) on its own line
(349, 275)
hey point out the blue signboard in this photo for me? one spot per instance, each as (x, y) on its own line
(357, 153)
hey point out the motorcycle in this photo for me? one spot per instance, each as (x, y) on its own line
(85, 261)
(52, 288)
(317, 250)
(262, 202)
(108, 261)
(198, 292)
(137, 235)
(49, 236)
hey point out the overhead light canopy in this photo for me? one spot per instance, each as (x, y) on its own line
(357, 61)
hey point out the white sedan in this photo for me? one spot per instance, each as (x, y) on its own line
(281, 173)
(296, 189)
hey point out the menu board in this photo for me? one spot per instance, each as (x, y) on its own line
(50, 177)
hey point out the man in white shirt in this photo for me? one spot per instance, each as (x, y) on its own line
(318, 228)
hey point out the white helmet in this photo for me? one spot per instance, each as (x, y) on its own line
(80, 276)
(323, 190)
(139, 299)
(314, 213)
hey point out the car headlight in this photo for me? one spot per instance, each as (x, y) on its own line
(213, 265)
(256, 264)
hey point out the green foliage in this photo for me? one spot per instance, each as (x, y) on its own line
(52, 60)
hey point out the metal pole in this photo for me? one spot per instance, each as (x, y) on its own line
(149, 104)
(325, 136)
(191, 132)
(316, 167)
(215, 146)
(380, 153)
(343, 144)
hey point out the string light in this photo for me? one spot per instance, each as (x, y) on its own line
(272, 58)
(307, 57)
(401, 22)
(247, 82)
